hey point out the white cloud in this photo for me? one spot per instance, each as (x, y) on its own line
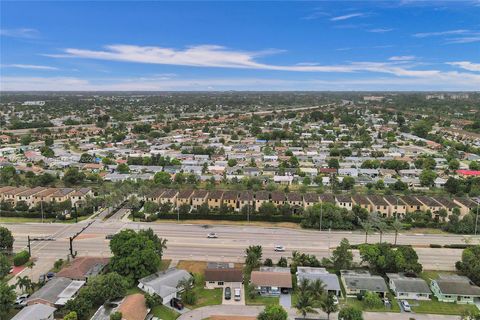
(451, 81)
(29, 66)
(467, 39)
(440, 33)
(402, 58)
(467, 65)
(380, 30)
(19, 33)
(221, 57)
(347, 16)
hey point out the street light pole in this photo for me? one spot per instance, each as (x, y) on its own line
(41, 209)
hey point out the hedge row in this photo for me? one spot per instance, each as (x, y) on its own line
(452, 246)
(21, 258)
(27, 214)
(232, 217)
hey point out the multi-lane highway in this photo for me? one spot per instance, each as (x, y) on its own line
(190, 242)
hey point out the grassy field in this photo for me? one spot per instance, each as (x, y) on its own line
(165, 264)
(260, 300)
(23, 220)
(361, 305)
(165, 313)
(205, 297)
(436, 307)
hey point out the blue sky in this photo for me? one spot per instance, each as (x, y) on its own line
(277, 45)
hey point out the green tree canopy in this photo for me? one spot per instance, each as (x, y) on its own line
(273, 312)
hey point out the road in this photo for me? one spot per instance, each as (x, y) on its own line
(187, 241)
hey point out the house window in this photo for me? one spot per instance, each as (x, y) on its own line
(220, 283)
(211, 282)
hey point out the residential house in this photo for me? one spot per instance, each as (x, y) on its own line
(56, 292)
(361, 281)
(411, 288)
(412, 204)
(220, 274)
(344, 201)
(230, 199)
(278, 198)
(330, 280)
(246, 198)
(164, 283)
(214, 199)
(454, 288)
(362, 201)
(36, 312)
(199, 197)
(83, 268)
(261, 197)
(327, 197)
(310, 199)
(465, 205)
(154, 196)
(429, 204)
(169, 196)
(379, 205)
(184, 197)
(79, 196)
(396, 205)
(271, 281)
(295, 201)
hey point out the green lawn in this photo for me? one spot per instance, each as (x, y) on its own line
(23, 220)
(205, 297)
(359, 304)
(436, 307)
(165, 263)
(165, 313)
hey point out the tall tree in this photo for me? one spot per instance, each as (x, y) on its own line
(6, 239)
(7, 298)
(328, 305)
(342, 256)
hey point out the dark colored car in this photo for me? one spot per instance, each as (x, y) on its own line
(50, 275)
(228, 293)
(176, 303)
(109, 236)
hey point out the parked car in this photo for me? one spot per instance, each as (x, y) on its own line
(406, 306)
(109, 236)
(50, 275)
(228, 293)
(279, 248)
(237, 296)
(212, 235)
(21, 301)
(176, 303)
(11, 270)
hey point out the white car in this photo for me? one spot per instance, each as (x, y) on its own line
(406, 306)
(212, 235)
(335, 300)
(279, 248)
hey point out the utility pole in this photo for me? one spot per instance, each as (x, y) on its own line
(72, 253)
(476, 223)
(29, 247)
(321, 215)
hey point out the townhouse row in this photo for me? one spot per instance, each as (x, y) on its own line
(34, 196)
(386, 206)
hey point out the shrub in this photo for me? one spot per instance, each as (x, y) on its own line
(21, 258)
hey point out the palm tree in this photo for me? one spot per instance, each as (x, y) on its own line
(304, 303)
(317, 289)
(328, 305)
(382, 227)
(367, 227)
(24, 284)
(397, 226)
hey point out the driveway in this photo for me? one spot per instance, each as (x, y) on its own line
(232, 301)
(221, 310)
(286, 300)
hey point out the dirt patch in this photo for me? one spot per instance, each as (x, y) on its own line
(87, 236)
(192, 266)
(236, 223)
(198, 266)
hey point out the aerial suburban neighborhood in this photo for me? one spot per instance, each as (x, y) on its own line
(225, 160)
